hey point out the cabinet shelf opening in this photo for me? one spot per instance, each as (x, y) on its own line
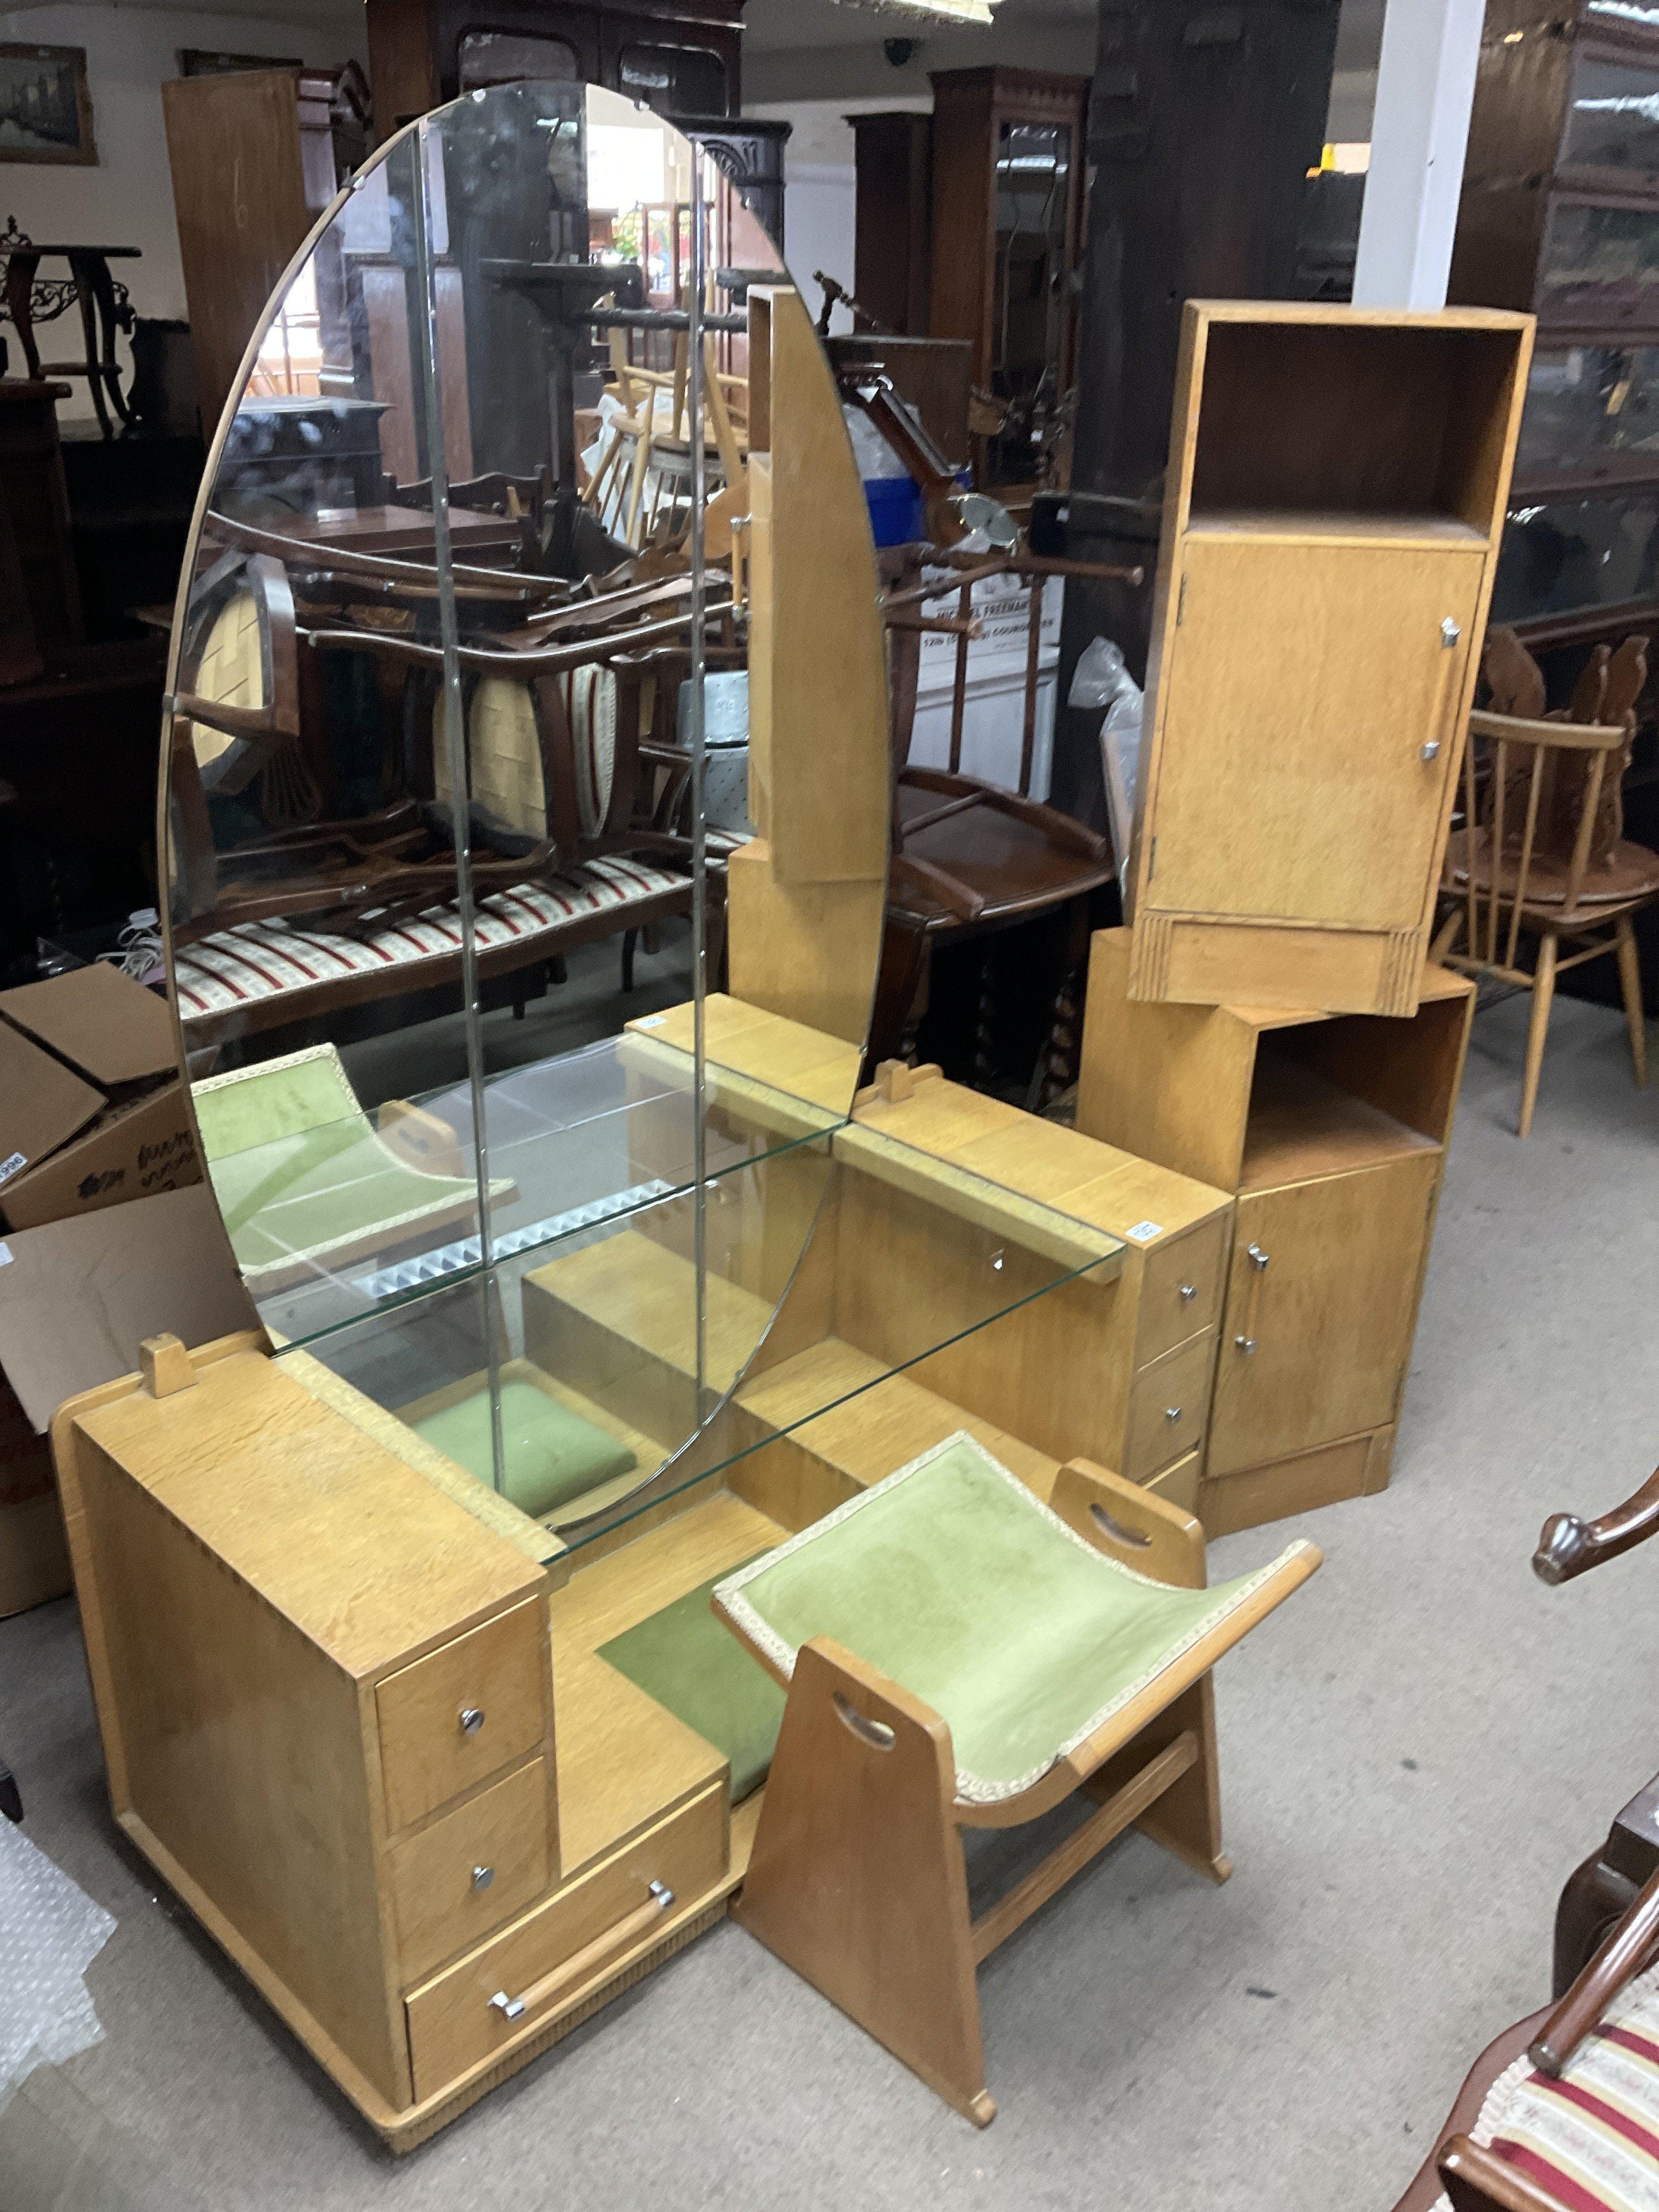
(1327, 421)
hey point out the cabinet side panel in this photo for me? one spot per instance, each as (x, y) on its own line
(1054, 1372)
(244, 1758)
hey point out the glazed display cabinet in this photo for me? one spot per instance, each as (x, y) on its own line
(1559, 215)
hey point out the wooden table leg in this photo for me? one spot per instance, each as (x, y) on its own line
(86, 300)
(91, 273)
(20, 286)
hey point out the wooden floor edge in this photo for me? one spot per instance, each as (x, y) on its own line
(405, 2129)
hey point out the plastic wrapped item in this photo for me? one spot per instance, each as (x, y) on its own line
(50, 1933)
(1101, 679)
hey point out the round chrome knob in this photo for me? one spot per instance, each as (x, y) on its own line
(1188, 1292)
(483, 1876)
(472, 1719)
(1172, 1412)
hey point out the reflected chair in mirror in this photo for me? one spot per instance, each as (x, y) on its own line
(520, 499)
(1561, 2112)
(1541, 878)
(281, 928)
(971, 860)
(959, 1656)
(641, 478)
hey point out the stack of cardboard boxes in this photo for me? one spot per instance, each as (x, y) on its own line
(107, 1234)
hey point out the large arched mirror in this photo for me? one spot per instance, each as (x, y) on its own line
(526, 808)
(525, 798)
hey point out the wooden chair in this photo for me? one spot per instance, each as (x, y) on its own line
(888, 1621)
(1541, 859)
(971, 859)
(1533, 2106)
(521, 499)
(1533, 2129)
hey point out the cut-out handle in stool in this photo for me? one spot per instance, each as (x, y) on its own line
(574, 1969)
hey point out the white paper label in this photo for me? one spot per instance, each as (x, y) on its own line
(650, 1021)
(9, 1168)
(1144, 1231)
(5, 1255)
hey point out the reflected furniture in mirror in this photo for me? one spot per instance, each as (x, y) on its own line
(1541, 879)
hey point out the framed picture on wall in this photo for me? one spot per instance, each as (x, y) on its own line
(202, 61)
(45, 110)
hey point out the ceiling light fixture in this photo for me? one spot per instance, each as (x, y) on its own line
(931, 12)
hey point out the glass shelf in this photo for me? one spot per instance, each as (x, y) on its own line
(644, 1354)
(333, 1215)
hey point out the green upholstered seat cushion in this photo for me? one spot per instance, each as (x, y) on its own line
(951, 1577)
(550, 1453)
(687, 1659)
(298, 1170)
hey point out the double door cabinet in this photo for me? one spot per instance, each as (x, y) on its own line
(1331, 1132)
(1335, 490)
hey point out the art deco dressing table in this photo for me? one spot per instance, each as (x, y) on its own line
(396, 1608)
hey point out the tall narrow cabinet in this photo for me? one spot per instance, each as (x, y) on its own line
(1331, 1132)
(1335, 492)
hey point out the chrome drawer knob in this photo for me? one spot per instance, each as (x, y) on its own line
(472, 1719)
(1245, 1344)
(509, 2008)
(1188, 1292)
(1432, 751)
(1258, 1258)
(483, 1876)
(1449, 633)
(1172, 1412)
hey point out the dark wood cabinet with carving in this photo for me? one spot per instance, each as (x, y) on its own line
(1559, 214)
(1007, 232)
(679, 57)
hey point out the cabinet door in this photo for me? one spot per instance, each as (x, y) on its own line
(1303, 682)
(1329, 1315)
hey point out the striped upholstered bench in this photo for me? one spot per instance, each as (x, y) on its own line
(266, 976)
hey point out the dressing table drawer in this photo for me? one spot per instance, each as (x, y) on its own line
(1169, 1406)
(1179, 1484)
(456, 1881)
(576, 1939)
(474, 1705)
(1181, 1289)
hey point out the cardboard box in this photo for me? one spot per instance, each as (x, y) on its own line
(92, 1110)
(77, 1297)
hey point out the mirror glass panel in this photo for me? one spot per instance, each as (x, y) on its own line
(522, 922)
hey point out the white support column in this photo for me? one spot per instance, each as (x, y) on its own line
(1420, 132)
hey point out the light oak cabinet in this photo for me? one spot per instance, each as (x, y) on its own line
(1331, 1132)
(1335, 490)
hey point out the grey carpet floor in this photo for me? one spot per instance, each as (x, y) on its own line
(1415, 1753)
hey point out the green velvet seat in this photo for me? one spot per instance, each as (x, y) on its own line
(686, 1659)
(301, 1174)
(953, 1580)
(551, 1455)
